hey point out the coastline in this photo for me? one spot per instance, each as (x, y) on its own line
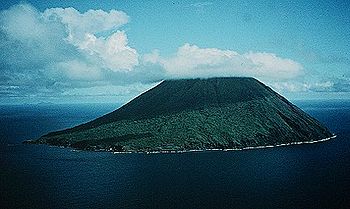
(235, 149)
(186, 151)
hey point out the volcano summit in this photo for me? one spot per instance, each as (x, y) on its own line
(188, 114)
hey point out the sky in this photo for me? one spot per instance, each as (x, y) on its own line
(86, 51)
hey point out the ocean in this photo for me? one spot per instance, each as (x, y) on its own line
(298, 176)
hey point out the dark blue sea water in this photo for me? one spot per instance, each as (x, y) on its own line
(299, 176)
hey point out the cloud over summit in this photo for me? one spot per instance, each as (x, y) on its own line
(191, 61)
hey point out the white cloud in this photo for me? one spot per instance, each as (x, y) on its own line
(191, 61)
(306, 86)
(113, 52)
(83, 31)
(63, 46)
(91, 22)
(290, 86)
(269, 65)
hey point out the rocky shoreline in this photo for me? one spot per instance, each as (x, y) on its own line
(186, 151)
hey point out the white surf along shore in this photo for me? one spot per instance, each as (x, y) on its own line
(235, 149)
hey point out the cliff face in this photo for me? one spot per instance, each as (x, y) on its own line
(196, 114)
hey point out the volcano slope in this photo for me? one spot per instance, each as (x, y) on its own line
(195, 114)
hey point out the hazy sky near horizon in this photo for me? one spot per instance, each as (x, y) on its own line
(110, 51)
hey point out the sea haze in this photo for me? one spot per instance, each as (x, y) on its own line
(298, 176)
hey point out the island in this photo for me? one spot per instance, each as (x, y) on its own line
(195, 114)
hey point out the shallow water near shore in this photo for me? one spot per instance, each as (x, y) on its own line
(299, 176)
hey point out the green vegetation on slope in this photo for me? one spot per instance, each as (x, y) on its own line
(264, 120)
